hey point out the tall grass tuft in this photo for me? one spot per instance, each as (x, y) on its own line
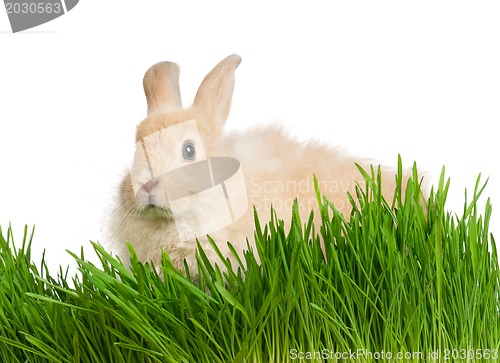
(399, 280)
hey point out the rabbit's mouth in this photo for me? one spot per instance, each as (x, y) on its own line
(153, 211)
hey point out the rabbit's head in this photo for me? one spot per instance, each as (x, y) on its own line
(172, 137)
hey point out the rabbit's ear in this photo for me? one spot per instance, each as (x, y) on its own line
(161, 86)
(216, 91)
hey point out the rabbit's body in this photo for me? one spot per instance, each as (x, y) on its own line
(276, 168)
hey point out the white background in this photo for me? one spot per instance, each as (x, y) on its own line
(378, 77)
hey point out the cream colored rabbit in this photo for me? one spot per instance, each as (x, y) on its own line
(276, 169)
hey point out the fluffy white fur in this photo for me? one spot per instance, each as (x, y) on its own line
(277, 169)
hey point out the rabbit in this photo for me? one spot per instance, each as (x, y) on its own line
(276, 169)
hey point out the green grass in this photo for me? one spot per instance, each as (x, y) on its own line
(399, 276)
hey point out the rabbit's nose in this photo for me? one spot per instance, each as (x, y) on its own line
(148, 187)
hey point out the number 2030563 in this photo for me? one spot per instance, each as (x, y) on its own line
(32, 8)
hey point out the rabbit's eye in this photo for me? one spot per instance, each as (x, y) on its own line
(188, 151)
